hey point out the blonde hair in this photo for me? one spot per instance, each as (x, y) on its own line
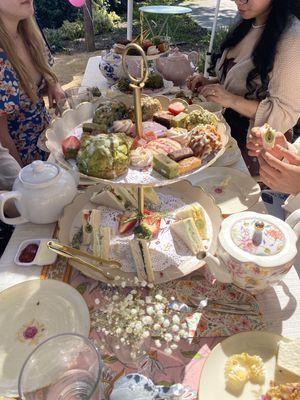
(34, 42)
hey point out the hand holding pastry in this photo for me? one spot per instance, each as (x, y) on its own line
(279, 175)
(255, 143)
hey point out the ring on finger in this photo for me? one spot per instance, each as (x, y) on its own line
(212, 93)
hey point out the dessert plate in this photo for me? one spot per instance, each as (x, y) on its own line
(170, 258)
(212, 384)
(31, 312)
(70, 124)
(231, 155)
(234, 191)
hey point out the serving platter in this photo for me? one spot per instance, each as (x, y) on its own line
(212, 384)
(231, 155)
(167, 87)
(31, 312)
(171, 259)
(70, 124)
(233, 190)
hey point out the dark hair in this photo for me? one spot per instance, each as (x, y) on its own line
(264, 53)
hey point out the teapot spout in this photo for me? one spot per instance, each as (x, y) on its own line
(216, 266)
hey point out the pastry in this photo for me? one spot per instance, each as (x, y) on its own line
(179, 121)
(152, 51)
(195, 212)
(104, 156)
(163, 146)
(150, 106)
(165, 166)
(205, 140)
(201, 116)
(181, 135)
(188, 165)
(124, 125)
(152, 126)
(142, 259)
(176, 108)
(109, 112)
(186, 230)
(141, 157)
(117, 197)
(154, 81)
(268, 136)
(178, 155)
(164, 118)
(288, 391)
(90, 127)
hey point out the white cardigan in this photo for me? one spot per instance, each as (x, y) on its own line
(292, 203)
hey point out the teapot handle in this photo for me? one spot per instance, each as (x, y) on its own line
(193, 56)
(4, 197)
(294, 221)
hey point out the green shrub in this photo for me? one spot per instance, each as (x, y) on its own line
(54, 39)
(72, 30)
(103, 20)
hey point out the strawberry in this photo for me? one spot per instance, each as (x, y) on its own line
(70, 147)
(127, 222)
(146, 44)
(149, 225)
(176, 108)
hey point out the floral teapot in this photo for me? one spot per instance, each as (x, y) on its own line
(254, 250)
(41, 191)
(177, 67)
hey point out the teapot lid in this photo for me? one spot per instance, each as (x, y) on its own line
(177, 55)
(39, 173)
(259, 238)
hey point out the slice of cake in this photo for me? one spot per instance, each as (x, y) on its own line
(288, 358)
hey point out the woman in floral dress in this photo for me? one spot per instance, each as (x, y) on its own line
(25, 76)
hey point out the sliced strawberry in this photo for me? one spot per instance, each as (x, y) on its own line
(127, 222)
(176, 108)
(149, 225)
(70, 147)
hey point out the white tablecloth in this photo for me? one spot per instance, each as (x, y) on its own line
(280, 305)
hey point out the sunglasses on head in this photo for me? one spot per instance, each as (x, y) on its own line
(241, 1)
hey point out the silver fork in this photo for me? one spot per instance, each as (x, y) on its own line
(208, 305)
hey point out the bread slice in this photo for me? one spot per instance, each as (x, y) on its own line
(108, 199)
(187, 231)
(101, 242)
(195, 212)
(288, 358)
(141, 255)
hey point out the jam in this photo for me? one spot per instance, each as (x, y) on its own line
(28, 253)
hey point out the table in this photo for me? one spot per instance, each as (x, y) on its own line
(167, 11)
(280, 305)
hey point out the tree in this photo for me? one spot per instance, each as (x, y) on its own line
(88, 26)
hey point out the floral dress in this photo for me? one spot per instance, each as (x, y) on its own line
(26, 120)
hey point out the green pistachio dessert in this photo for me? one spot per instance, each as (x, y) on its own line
(104, 156)
(109, 112)
(150, 106)
(201, 116)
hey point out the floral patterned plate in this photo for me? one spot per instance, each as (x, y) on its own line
(31, 312)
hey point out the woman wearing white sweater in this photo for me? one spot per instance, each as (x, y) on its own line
(279, 166)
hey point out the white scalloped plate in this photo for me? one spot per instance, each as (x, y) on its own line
(70, 124)
(170, 257)
(212, 384)
(31, 312)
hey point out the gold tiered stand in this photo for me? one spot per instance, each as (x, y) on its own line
(137, 85)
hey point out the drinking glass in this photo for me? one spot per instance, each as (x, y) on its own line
(78, 94)
(64, 367)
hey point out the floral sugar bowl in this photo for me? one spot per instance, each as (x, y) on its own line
(255, 250)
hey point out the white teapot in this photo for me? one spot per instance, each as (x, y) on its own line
(41, 192)
(254, 250)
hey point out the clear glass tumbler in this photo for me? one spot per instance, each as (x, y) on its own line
(63, 367)
(78, 94)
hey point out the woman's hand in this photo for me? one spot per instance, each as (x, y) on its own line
(255, 144)
(195, 82)
(55, 94)
(278, 175)
(217, 94)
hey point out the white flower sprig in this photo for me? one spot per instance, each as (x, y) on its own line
(137, 316)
